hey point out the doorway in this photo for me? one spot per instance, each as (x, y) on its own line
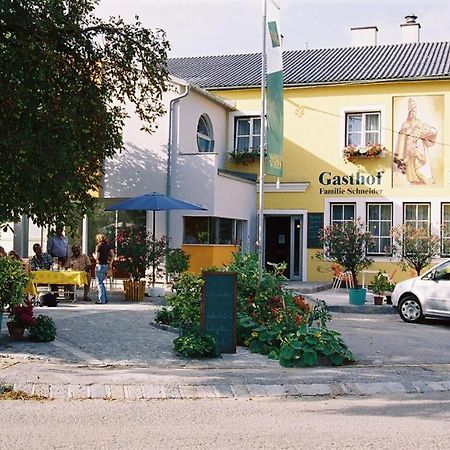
(283, 243)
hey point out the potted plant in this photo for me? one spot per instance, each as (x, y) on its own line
(346, 244)
(21, 317)
(379, 286)
(13, 281)
(136, 252)
(43, 329)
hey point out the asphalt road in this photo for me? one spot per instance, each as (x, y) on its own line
(406, 422)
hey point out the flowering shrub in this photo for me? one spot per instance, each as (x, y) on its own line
(371, 151)
(346, 244)
(135, 251)
(22, 315)
(244, 156)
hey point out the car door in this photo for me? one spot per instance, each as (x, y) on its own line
(437, 293)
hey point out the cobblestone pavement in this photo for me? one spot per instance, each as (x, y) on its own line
(112, 351)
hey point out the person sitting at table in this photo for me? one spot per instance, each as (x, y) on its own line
(40, 260)
(2, 252)
(13, 254)
(80, 262)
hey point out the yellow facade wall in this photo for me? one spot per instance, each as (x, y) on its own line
(204, 256)
(314, 135)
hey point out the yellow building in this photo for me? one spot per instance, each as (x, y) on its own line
(388, 103)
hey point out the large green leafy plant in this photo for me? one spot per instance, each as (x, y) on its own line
(13, 281)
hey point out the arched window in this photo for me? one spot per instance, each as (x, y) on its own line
(205, 141)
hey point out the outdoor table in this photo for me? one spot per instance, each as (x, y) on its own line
(61, 277)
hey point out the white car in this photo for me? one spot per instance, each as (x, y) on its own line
(426, 295)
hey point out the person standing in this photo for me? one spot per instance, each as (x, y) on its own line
(58, 246)
(103, 255)
(81, 263)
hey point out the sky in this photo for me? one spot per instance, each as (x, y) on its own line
(217, 27)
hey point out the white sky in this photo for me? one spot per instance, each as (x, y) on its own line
(215, 27)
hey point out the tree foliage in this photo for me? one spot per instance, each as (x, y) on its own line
(415, 247)
(65, 78)
(346, 244)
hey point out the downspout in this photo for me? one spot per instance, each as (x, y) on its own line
(169, 154)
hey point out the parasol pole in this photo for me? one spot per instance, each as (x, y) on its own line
(154, 250)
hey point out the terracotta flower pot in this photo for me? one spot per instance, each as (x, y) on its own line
(378, 300)
(15, 331)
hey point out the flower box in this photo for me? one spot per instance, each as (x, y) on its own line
(244, 156)
(370, 151)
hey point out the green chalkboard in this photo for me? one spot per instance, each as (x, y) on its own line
(315, 223)
(218, 314)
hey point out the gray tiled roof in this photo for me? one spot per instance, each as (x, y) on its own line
(416, 61)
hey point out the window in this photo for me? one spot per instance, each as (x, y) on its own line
(417, 215)
(247, 134)
(211, 230)
(342, 212)
(362, 129)
(379, 223)
(445, 221)
(205, 142)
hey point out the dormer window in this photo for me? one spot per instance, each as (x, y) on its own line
(205, 141)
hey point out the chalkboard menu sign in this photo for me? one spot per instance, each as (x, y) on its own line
(315, 223)
(218, 314)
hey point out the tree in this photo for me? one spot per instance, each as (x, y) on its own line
(65, 78)
(415, 247)
(346, 244)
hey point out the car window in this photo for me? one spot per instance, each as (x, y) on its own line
(442, 272)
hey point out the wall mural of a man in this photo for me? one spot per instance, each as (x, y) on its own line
(417, 159)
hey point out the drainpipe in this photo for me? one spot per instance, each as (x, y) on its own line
(169, 153)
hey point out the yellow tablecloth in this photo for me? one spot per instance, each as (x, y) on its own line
(31, 289)
(62, 277)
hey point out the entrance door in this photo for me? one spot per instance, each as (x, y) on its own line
(283, 243)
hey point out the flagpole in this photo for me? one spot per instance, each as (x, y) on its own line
(262, 146)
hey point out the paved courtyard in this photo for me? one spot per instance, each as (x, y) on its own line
(112, 351)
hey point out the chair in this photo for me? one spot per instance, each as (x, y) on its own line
(340, 276)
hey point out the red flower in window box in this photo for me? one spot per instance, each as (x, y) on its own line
(369, 151)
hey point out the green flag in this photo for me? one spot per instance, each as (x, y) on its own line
(274, 164)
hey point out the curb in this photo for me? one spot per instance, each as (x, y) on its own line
(236, 391)
(355, 309)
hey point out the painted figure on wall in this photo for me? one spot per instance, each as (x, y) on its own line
(414, 161)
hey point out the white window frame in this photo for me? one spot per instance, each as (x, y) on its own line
(444, 237)
(379, 252)
(250, 136)
(417, 221)
(364, 132)
(342, 204)
(206, 137)
(355, 109)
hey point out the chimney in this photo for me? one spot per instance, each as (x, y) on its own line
(410, 29)
(362, 36)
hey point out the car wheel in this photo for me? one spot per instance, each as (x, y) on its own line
(410, 309)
